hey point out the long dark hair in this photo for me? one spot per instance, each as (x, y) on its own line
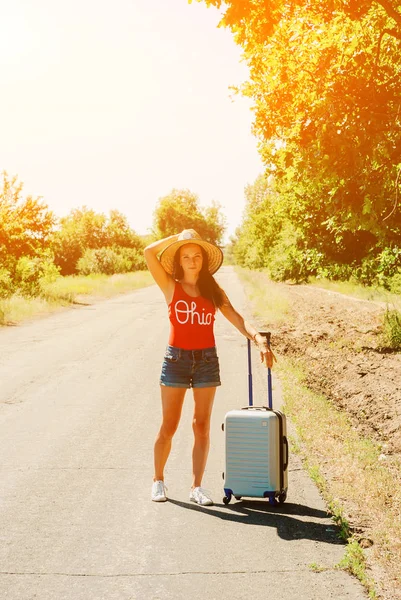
(208, 286)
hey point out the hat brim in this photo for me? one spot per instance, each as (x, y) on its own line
(214, 254)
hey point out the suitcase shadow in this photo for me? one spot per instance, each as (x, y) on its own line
(292, 521)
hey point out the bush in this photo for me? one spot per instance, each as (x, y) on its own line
(389, 261)
(109, 261)
(380, 269)
(102, 260)
(336, 272)
(367, 273)
(394, 284)
(6, 284)
(32, 273)
(294, 264)
(135, 258)
(392, 329)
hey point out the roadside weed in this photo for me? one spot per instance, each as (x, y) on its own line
(392, 329)
(340, 520)
(318, 568)
(354, 562)
(294, 444)
(316, 476)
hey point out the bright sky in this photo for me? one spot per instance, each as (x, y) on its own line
(113, 104)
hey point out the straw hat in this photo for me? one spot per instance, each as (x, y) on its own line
(190, 236)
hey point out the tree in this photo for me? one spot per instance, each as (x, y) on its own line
(26, 226)
(253, 22)
(260, 226)
(118, 232)
(180, 210)
(81, 229)
(324, 80)
(26, 223)
(84, 229)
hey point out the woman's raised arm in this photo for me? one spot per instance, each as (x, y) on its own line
(161, 277)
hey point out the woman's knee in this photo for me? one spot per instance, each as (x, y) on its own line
(201, 427)
(168, 429)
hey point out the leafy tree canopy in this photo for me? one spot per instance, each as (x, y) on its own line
(26, 223)
(85, 229)
(181, 210)
(324, 80)
(254, 21)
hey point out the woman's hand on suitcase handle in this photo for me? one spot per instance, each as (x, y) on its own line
(267, 356)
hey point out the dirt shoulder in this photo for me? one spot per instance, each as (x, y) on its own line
(337, 340)
(339, 336)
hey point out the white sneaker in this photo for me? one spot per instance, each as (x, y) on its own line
(200, 496)
(159, 491)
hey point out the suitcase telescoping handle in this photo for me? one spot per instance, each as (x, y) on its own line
(267, 335)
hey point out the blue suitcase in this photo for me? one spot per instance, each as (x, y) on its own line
(256, 448)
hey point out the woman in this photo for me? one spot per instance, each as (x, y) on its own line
(184, 272)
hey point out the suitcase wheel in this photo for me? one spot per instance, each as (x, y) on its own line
(282, 497)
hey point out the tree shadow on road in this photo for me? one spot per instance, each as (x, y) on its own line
(292, 521)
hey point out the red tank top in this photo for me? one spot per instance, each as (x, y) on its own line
(191, 321)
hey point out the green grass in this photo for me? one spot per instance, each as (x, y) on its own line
(68, 290)
(269, 299)
(348, 472)
(356, 290)
(96, 285)
(17, 309)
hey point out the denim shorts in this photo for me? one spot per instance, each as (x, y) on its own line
(190, 368)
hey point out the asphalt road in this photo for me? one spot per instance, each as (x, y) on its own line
(79, 411)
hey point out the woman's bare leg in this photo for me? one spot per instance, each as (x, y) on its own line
(172, 401)
(203, 398)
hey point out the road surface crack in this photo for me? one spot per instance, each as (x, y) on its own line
(156, 574)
